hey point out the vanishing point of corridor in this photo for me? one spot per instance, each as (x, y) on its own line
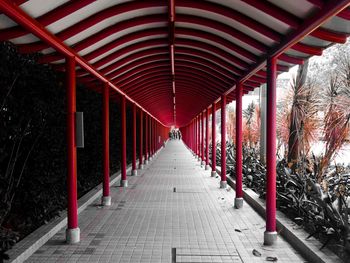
(173, 211)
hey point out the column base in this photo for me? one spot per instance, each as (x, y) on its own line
(207, 167)
(164, 144)
(106, 200)
(134, 172)
(223, 184)
(73, 235)
(203, 163)
(124, 183)
(213, 173)
(238, 202)
(141, 166)
(270, 238)
(146, 162)
(150, 158)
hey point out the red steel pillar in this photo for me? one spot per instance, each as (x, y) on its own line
(134, 169)
(195, 136)
(213, 140)
(223, 182)
(154, 137)
(106, 198)
(73, 231)
(124, 181)
(150, 138)
(207, 140)
(146, 139)
(270, 235)
(141, 141)
(198, 138)
(202, 142)
(239, 163)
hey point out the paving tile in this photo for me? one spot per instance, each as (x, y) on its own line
(148, 219)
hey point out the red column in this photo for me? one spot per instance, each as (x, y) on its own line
(141, 141)
(213, 139)
(195, 137)
(207, 140)
(150, 139)
(202, 142)
(146, 138)
(106, 199)
(124, 181)
(73, 231)
(154, 137)
(239, 191)
(134, 170)
(270, 235)
(223, 182)
(198, 138)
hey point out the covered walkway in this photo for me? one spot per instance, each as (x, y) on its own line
(148, 220)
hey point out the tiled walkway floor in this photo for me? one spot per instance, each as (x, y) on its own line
(148, 219)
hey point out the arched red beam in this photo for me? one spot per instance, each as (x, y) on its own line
(109, 46)
(95, 19)
(128, 69)
(220, 27)
(46, 19)
(143, 72)
(165, 81)
(128, 49)
(153, 79)
(186, 50)
(254, 25)
(141, 52)
(134, 57)
(158, 42)
(147, 84)
(330, 36)
(206, 89)
(231, 14)
(163, 109)
(158, 97)
(184, 70)
(196, 73)
(217, 39)
(197, 45)
(139, 70)
(294, 21)
(151, 62)
(136, 61)
(187, 93)
(145, 69)
(204, 69)
(210, 57)
(307, 49)
(206, 63)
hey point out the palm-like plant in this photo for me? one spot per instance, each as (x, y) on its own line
(248, 114)
(303, 115)
(336, 120)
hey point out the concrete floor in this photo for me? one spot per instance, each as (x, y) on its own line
(149, 222)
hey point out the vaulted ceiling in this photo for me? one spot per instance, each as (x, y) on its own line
(174, 58)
